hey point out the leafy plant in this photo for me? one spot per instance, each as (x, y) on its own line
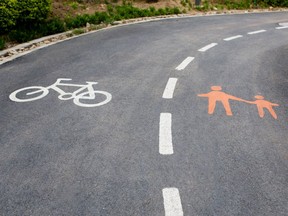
(78, 31)
(51, 26)
(8, 14)
(22, 35)
(74, 5)
(31, 11)
(2, 43)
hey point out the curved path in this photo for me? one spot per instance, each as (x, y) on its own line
(151, 148)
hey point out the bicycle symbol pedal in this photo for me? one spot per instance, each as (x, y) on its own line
(83, 93)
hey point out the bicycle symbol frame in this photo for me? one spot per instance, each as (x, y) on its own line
(77, 95)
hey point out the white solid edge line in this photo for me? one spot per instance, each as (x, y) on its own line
(233, 38)
(209, 46)
(169, 89)
(172, 202)
(256, 32)
(184, 64)
(282, 27)
(165, 134)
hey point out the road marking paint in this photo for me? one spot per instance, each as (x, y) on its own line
(165, 134)
(218, 95)
(172, 202)
(209, 46)
(282, 27)
(80, 96)
(184, 64)
(283, 24)
(170, 87)
(256, 32)
(232, 38)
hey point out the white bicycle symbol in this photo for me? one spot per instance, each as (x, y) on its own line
(85, 92)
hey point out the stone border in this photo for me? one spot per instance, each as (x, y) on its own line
(283, 24)
(25, 48)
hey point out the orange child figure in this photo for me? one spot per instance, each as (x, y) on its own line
(261, 104)
(217, 95)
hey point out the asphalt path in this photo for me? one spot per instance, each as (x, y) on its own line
(61, 158)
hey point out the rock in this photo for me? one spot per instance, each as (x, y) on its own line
(88, 25)
(117, 23)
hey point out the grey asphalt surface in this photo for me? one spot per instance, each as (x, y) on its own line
(57, 158)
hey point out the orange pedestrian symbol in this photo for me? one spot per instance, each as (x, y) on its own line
(218, 95)
(261, 104)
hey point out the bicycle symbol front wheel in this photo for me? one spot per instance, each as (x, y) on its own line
(81, 96)
(23, 94)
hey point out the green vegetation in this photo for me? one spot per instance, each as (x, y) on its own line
(34, 25)
(24, 13)
(24, 20)
(78, 31)
(239, 4)
(2, 43)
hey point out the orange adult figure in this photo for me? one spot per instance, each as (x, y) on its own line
(261, 104)
(217, 95)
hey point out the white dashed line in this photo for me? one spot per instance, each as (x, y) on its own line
(165, 134)
(209, 46)
(282, 27)
(256, 32)
(172, 202)
(184, 64)
(169, 90)
(232, 38)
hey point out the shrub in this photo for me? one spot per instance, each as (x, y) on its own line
(31, 11)
(161, 11)
(8, 14)
(152, 10)
(22, 35)
(2, 43)
(275, 3)
(22, 13)
(176, 10)
(52, 26)
(77, 22)
(74, 5)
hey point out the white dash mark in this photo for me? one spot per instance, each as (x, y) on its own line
(256, 32)
(232, 38)
(172, 202)
(169, 90)
(165, 134)
(282, 27)
(209, 46)
(184, 64)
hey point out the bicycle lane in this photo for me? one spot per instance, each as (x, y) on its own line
(84, 161)
(110, 170)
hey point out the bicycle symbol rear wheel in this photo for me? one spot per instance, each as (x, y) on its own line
(81, 96)
(27, 91)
